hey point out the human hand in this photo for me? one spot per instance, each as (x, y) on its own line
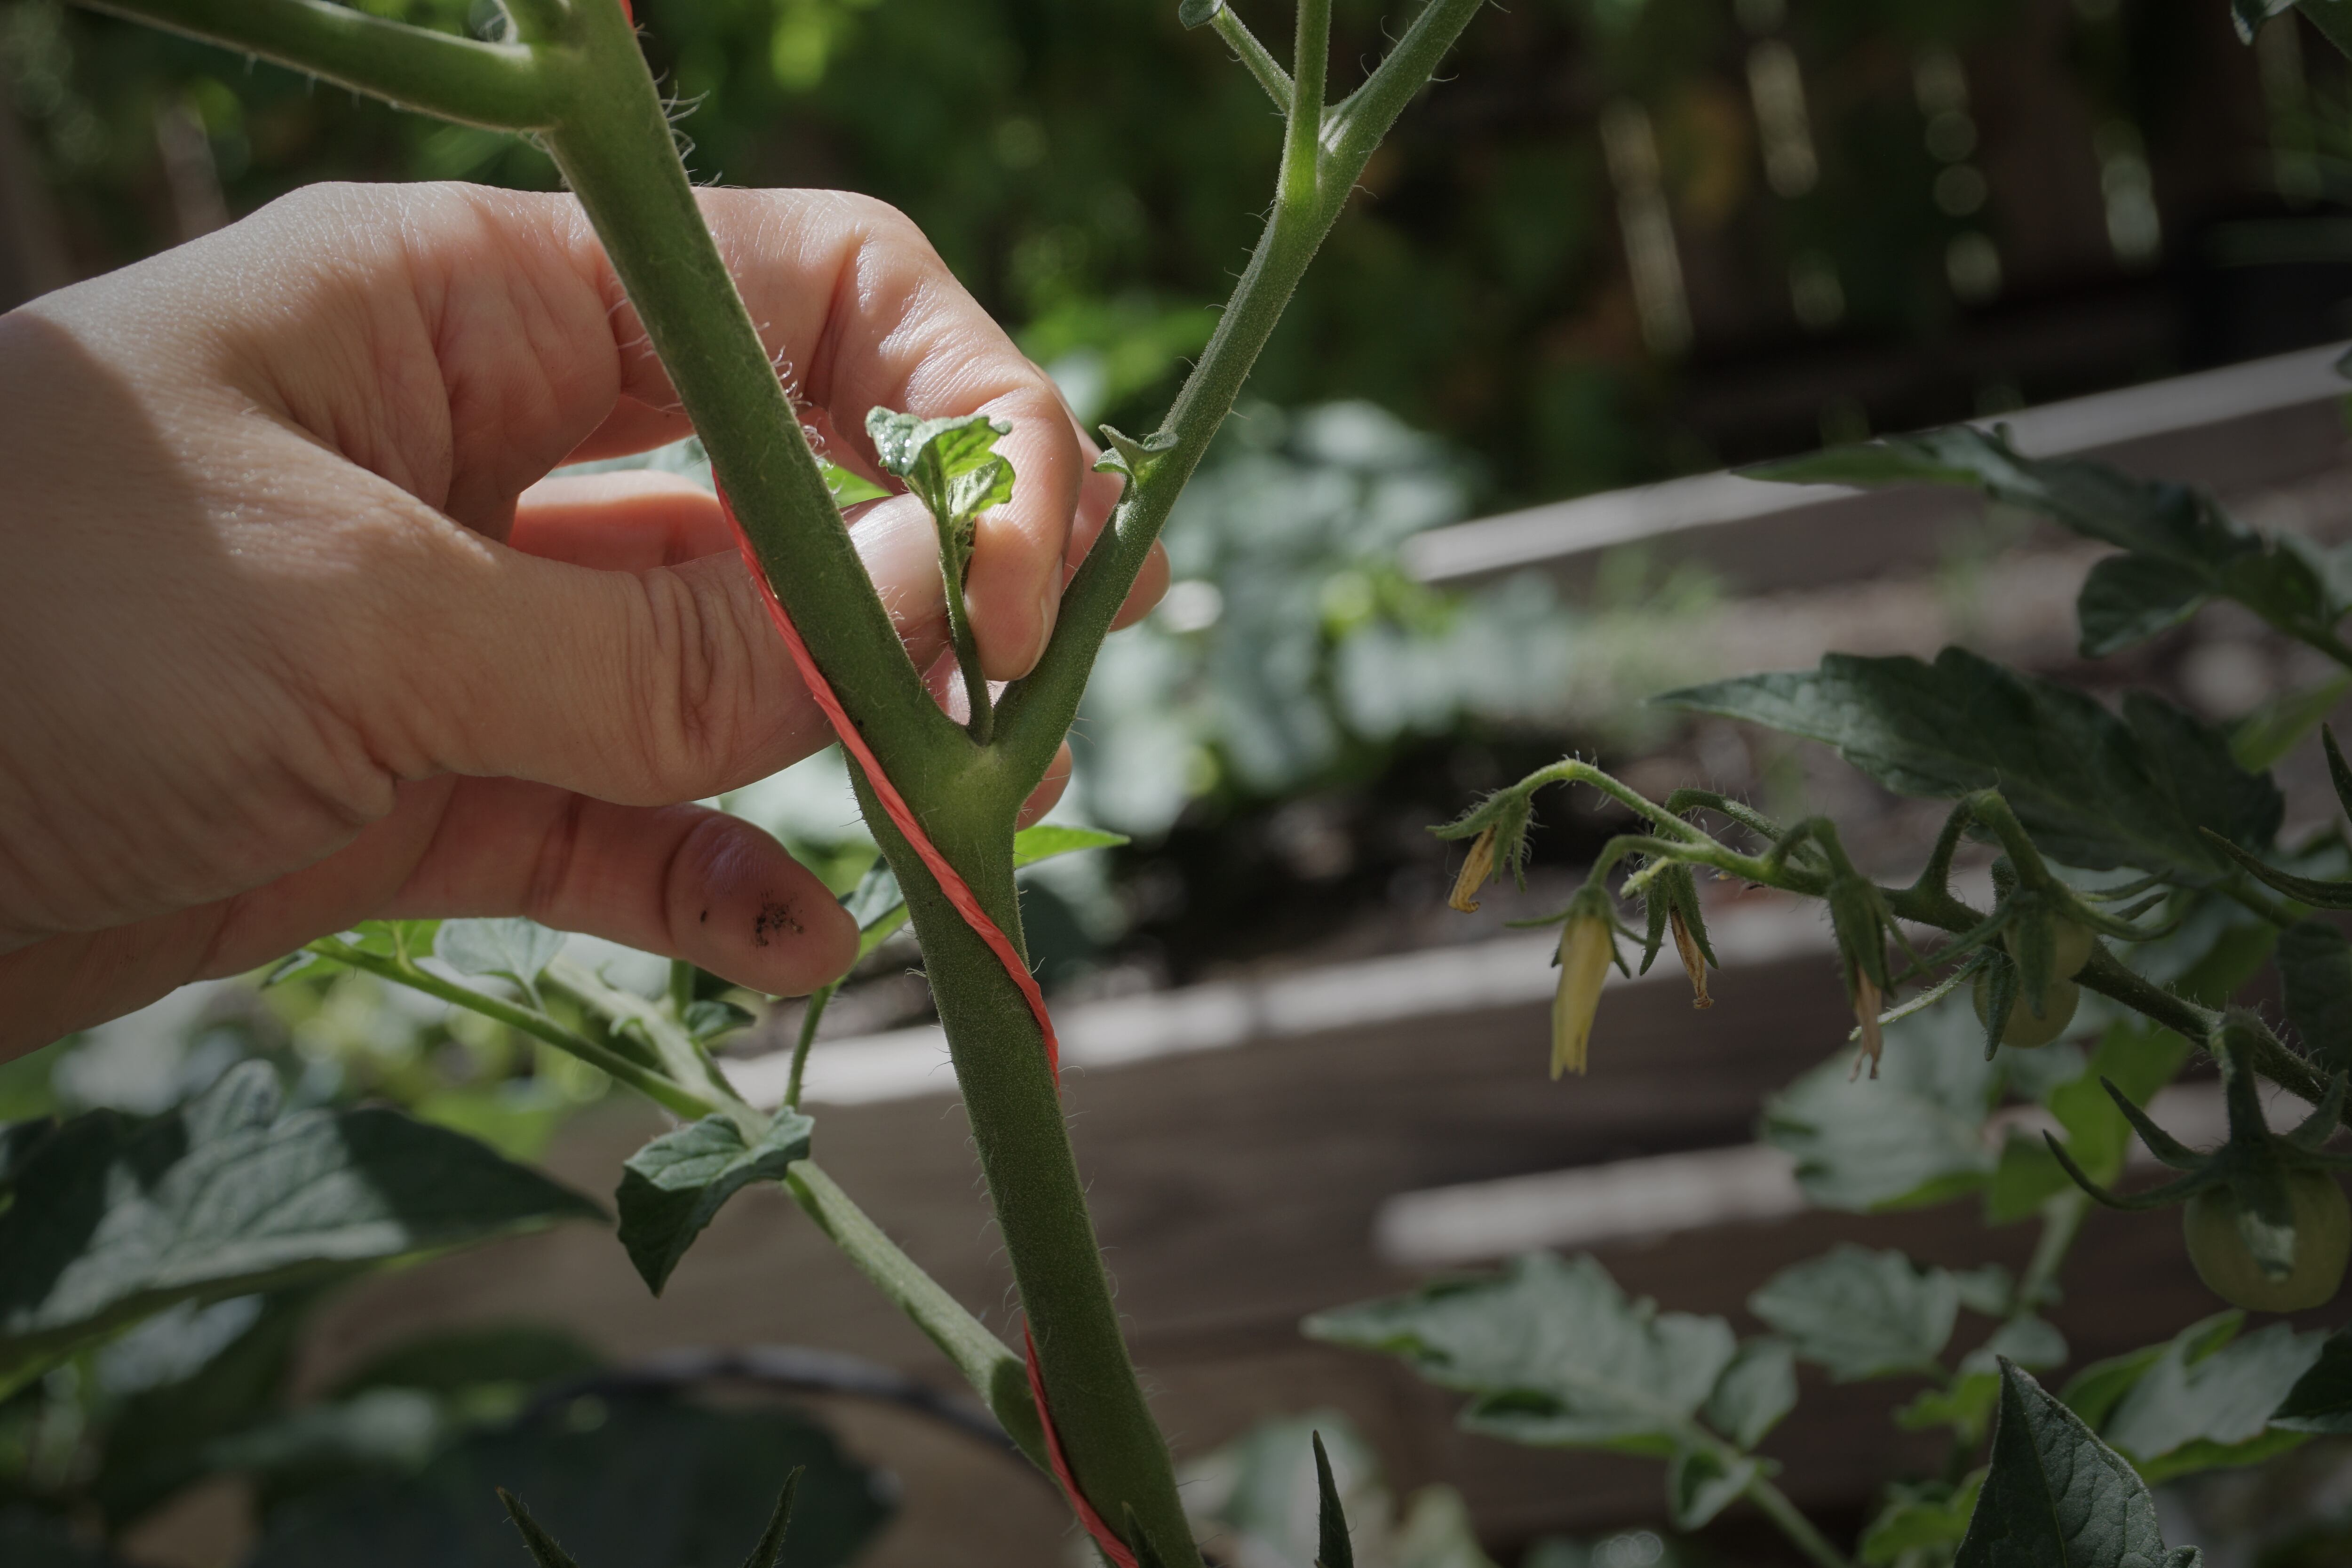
(294, 636)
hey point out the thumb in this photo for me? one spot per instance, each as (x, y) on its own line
(637, 687)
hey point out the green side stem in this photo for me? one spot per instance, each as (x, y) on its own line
(811, 1016)
(501, 86)
(617, 153)
(1115, 1449)
(1253, 55)
(993, 1371)
(682, 1057)
(643, 1079)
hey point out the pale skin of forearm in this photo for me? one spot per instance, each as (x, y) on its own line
(295, 631)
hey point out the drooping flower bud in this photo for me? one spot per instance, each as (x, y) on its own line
(1867, 1001)
(1588, 945)
(1694, 958)
(1476, 868)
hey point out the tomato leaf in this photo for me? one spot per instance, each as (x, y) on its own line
(1552, 1349)
(1333, 1549)
(2055, 1494)
(770, 1551)
(515, 950)
(952, 466)
(2177, 536)
(674, 1187)
(1755, 1391)
(112, 1221)
(1911, 1138)
(1863, 1314)
(2205, 1399)
(2095, 789)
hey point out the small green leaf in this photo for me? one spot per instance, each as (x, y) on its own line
(515, 950)
(2321, 1399)
(951, 465)
(408, 940)
(225, 1196)
(709, 1018)
(1863, 1314)
(1047, 840)
(2127, 599)
(879, 908)
(848, 490)
(1702, 1483)
(878, 905)
(2055, 1494)
(1755, 1391)
(2316, 963)
(541, 1545)
(1929, 1519)
(2095, 789)
(1333, 1548)
(1553, 1350)
(2206, 1399)
(674, 1187)
(770, 1552)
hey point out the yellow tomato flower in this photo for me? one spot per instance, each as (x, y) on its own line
(1586, 946)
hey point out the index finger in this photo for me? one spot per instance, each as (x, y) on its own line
(859, 312)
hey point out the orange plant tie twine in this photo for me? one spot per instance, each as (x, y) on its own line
(967, 904)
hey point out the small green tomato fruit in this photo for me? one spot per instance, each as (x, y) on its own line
(2323, 1241)
(2024, 1030)
(2070, 947)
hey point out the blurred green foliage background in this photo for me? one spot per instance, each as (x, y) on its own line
(1095, 173)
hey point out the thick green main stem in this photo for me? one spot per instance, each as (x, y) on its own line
(1114, 1448)
(614, 149)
